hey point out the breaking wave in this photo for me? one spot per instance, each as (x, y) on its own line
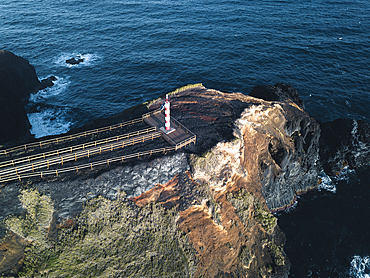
(345, 174)
(50, 121)
(360, 267)
(60, 85)
(47, 119)
(326, 183)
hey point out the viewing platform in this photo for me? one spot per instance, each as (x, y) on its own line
(178, 136)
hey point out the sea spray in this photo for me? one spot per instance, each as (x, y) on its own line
(360, 267)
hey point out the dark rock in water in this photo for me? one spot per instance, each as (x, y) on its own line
(74, 61)
(344, 142)
(264, 92)
(279, 92)
(18, 80)
(47, 82)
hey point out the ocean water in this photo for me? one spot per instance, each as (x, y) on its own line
(136, 50)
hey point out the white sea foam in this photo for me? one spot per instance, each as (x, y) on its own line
(60, 85)
(360, 267)
(49, 121)
(344, 174)
(88, 59)
(326, 183)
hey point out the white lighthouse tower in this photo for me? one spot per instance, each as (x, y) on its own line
(167, 118)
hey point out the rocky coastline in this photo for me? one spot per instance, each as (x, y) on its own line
(18, 80)
(205, 211)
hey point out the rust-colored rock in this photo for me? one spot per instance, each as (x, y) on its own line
(165, 194)
(252, 157)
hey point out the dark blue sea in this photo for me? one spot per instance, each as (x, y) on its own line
(134, 51)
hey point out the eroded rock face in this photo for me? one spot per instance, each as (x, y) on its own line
(267, 153)
(281, 149)
(275, 150)
(18, 80)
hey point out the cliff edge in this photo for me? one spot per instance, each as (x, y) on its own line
(18, 80)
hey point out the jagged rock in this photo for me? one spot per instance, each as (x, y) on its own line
(268, 149)
(47, 82)
(74, 61)
(276, 155)
(281, 92)
(344, 142)
(18, 80)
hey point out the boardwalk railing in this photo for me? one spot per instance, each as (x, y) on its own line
(74, 156)
(182, 126)
(98, 163)
(69, 137)
(147, 115)
(180, 145)
(17, 171)
(74, 148)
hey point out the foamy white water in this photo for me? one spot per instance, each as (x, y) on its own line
(88, 59)
(60, 86)
(49, 121)
(326, 183)
(344, 174)
(360, 267)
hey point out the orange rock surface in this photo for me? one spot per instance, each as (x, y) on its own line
(252, 157)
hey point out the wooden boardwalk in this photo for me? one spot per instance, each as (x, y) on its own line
(181, 133)
(37, 164)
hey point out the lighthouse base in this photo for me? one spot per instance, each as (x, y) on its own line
(167, 131)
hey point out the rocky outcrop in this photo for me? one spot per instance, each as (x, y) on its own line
(47, 82)
(270, 147)
(344, 142)
(17, 76)
(17, 80)
(252, 156)
(74, 61)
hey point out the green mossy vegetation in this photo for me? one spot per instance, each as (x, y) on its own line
(116, 239)
(278, 253)
(246, 256)
(33, 225)
(178, 90)
(242, 201)
(267, 220)
(206, 162)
